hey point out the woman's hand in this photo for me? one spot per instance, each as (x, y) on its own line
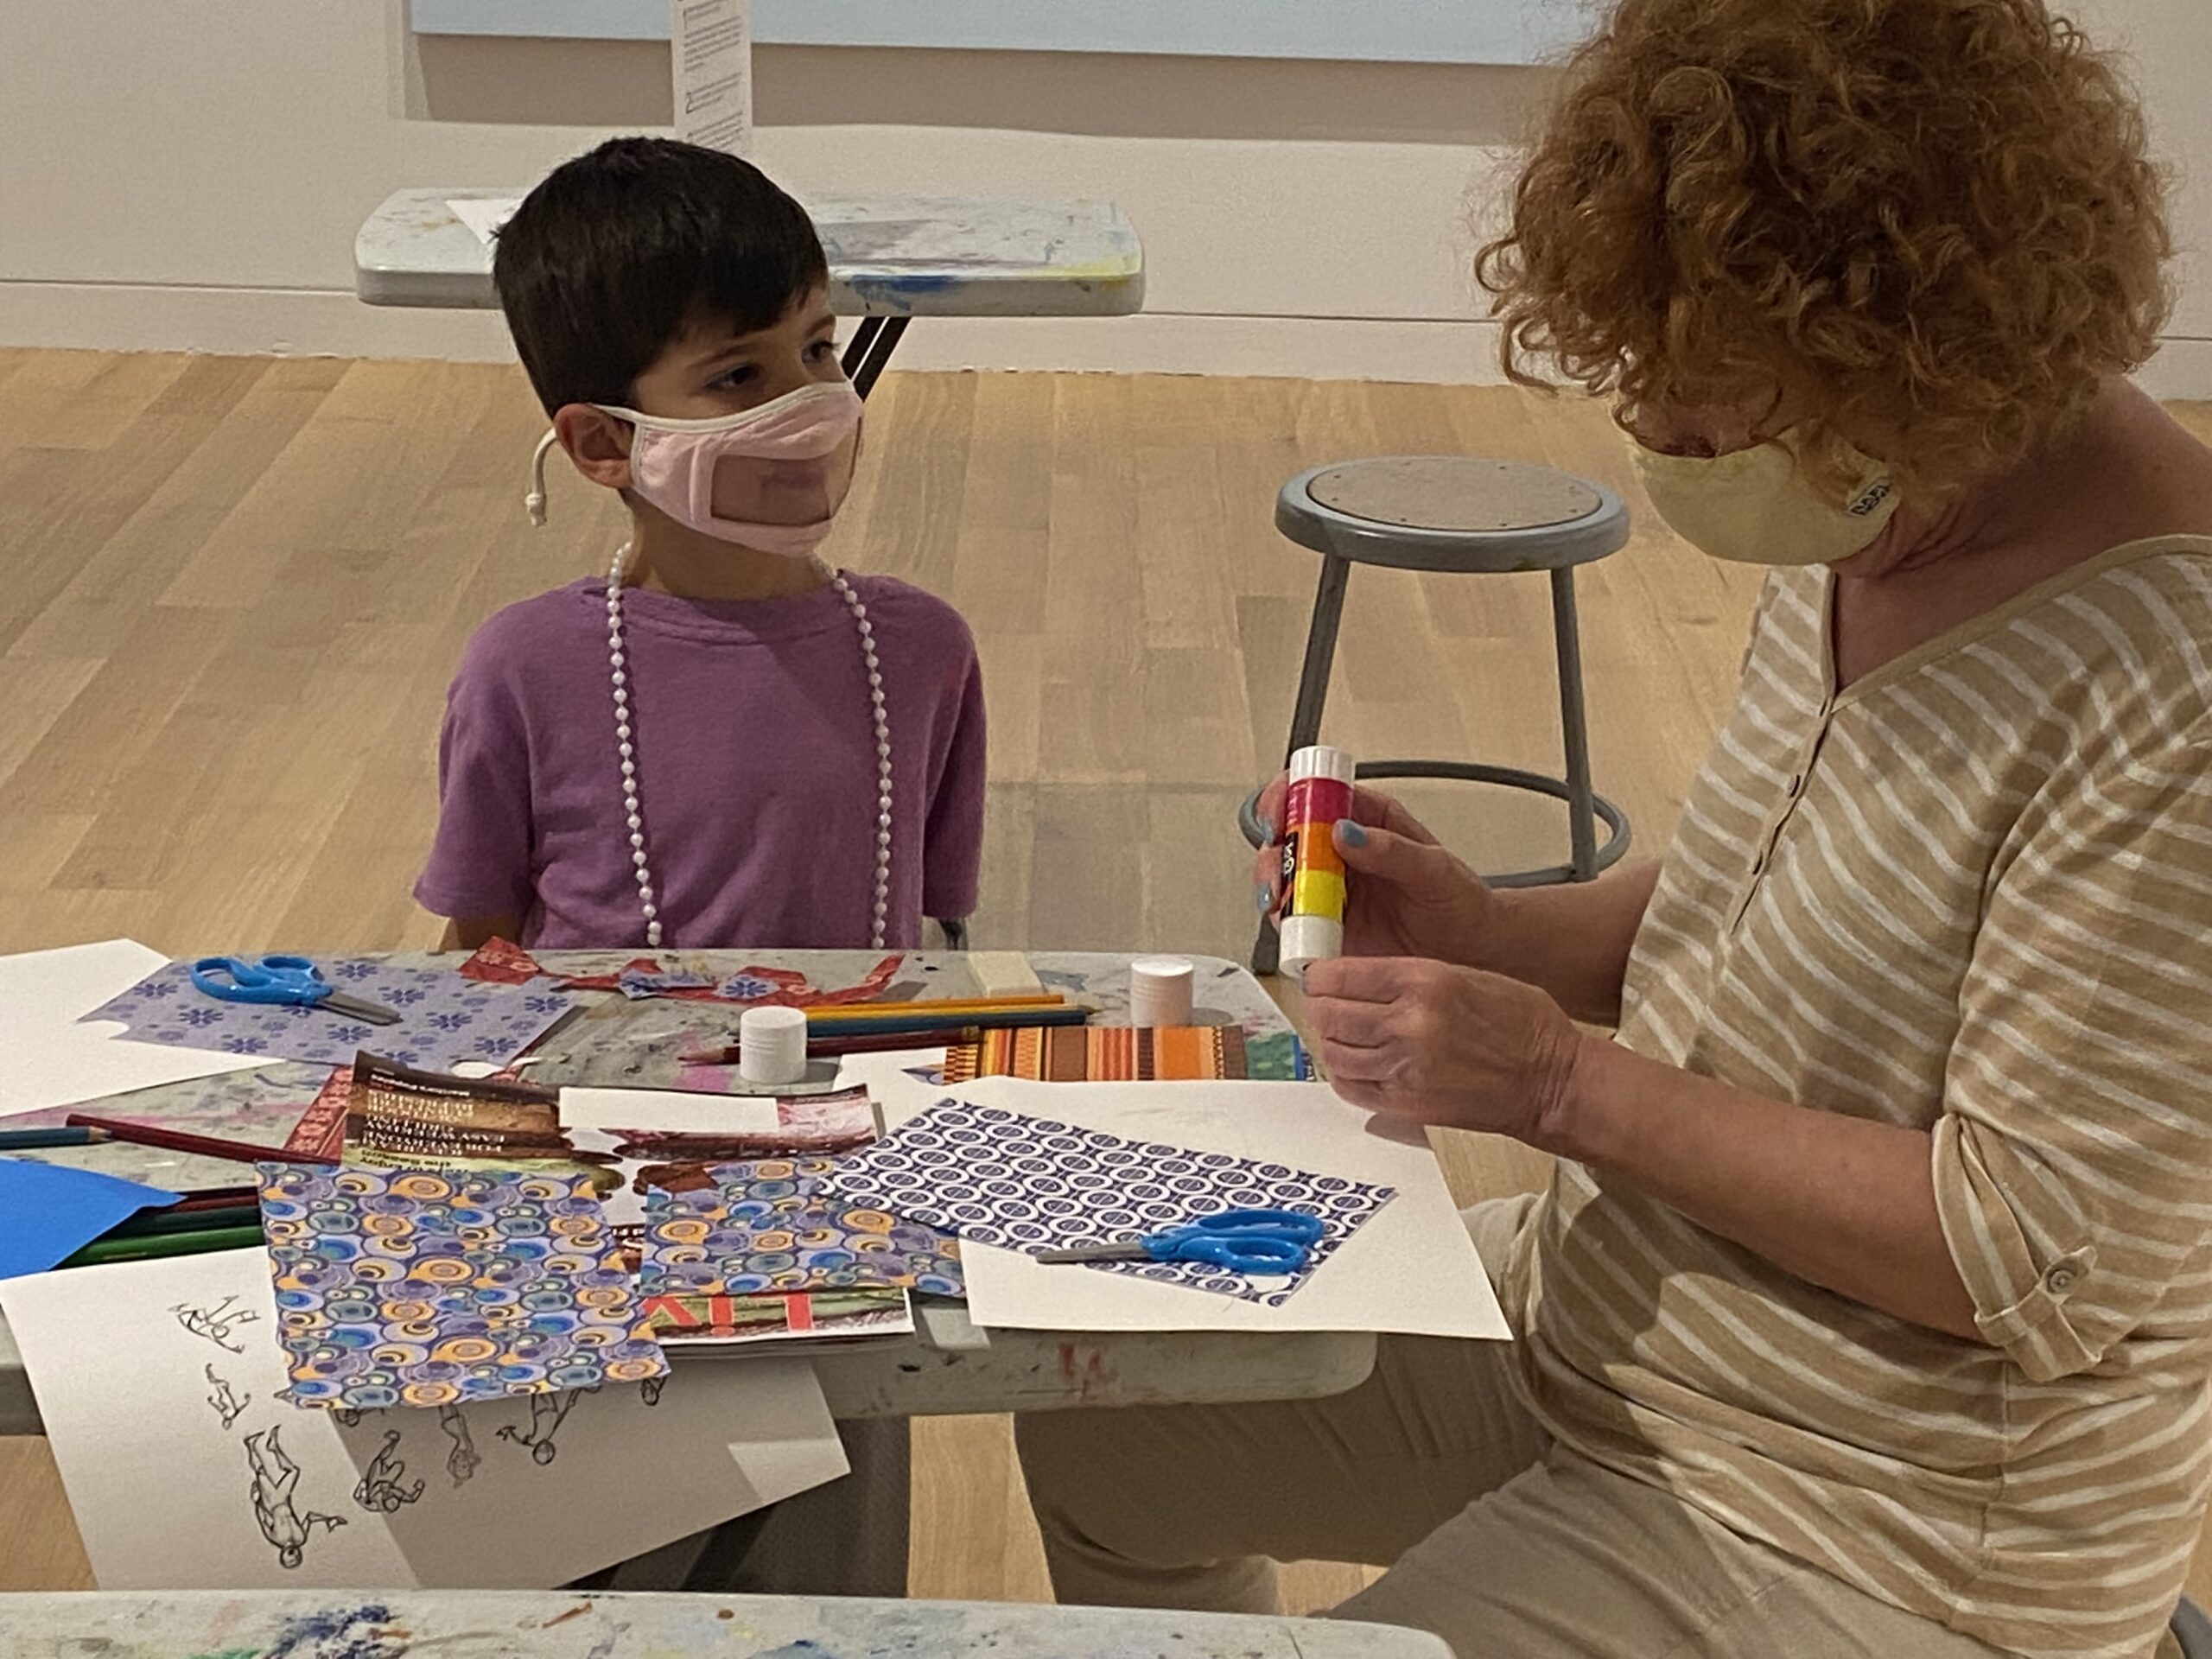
(1434, 1044)
(1406, 895)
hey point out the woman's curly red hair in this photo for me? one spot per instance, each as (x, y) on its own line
(1935, 219)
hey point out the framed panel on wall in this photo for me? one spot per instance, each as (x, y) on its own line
(1400, 31)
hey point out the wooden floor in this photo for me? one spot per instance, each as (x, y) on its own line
(236, 589)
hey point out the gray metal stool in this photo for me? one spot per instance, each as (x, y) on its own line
(1461, 515)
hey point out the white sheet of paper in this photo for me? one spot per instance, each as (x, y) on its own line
(483, 214)
(710, 57)
(167, 1496)
(48, 1059)
(1411, 1268)
(669, 1111)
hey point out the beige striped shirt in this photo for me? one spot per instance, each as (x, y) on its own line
(1972, 893)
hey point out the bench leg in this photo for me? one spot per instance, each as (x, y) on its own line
(1313, 697)
(1581, 817)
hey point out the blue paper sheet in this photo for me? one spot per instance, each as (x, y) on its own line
(50, 1210)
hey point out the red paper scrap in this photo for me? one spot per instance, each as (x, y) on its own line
(498, 963)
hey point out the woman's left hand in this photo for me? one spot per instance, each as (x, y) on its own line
(1436, 1044)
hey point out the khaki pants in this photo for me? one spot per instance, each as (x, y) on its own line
(1500, 1541)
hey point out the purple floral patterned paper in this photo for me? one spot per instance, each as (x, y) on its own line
(443, 1018)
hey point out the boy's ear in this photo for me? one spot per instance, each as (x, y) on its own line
(596, 442)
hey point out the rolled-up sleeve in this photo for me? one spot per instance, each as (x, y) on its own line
(2072, 1157)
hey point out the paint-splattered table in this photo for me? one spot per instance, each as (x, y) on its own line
(948, 1366)
(483, 1624)
(891, 258)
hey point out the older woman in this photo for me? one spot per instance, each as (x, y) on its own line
(1869, 1308)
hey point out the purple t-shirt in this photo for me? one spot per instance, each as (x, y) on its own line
(756, 765)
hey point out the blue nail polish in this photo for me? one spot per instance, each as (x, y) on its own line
(1352, 833)
(1263, 899)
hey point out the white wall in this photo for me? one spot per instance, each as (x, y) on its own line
(174, 176)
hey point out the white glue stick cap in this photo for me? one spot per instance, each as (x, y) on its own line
(1320, 760)
(1307, 939)
(771, 1045)
(1160, 991)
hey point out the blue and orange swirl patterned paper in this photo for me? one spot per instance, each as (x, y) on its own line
(430, 1287)
(768, 1226)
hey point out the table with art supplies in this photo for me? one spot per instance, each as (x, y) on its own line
(281, 1625)
(891, 259)
(337, 1257)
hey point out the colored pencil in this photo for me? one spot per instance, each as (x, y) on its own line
(924, 1025)
(216, 1198)
(823, 1048)
(38, 1139)
(844, 1011)
(203, 1146)
(102, 1251)
(888, 1036)
(890, 1043)
(191, 1221)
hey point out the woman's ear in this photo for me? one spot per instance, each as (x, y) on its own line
(596, 442)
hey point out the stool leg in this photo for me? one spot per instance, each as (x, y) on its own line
(1582, 818)
(1320, 655)
(1312, 696)
(862, 342)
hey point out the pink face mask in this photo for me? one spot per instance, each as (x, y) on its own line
(771, 478)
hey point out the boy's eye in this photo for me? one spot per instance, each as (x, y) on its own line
(733, 377)
(820, 350)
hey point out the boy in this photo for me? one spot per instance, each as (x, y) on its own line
(720, 742)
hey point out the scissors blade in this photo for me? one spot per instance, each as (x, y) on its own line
(370, 1014)
(1130, 1252)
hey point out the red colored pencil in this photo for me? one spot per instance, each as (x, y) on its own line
(216, 1198)
(236, 1151)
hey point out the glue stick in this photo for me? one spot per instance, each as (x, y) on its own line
(1312, 869)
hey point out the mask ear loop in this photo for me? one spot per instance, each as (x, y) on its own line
(534, 503)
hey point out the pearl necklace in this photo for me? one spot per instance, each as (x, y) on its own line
(618, 672)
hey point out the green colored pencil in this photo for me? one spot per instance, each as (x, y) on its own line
(185, 1221)
(101, 1252)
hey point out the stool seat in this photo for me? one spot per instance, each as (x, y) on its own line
(1452, 513)
(1469, 515)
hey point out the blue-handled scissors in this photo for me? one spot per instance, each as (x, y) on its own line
(1262, 1242)
(292, 980)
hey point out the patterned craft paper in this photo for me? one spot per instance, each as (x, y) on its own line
(443, 1018)
(743, 1229)
(429, 1288)
(1101, 1054)
(819, 1317)
(496, 962)
(1033, 1184)
(642, 978)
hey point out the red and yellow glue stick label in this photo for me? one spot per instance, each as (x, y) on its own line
(1312, 869)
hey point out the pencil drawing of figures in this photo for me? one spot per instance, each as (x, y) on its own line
(649, 1390)
(547, 1412)
(274, 1476)
(217, 1323)
(380, 1489)
(461, 1461)
(228, 1402)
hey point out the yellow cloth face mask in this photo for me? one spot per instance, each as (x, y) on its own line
(1758, 506)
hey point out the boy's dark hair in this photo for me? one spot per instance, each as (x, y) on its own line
(615, 253)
